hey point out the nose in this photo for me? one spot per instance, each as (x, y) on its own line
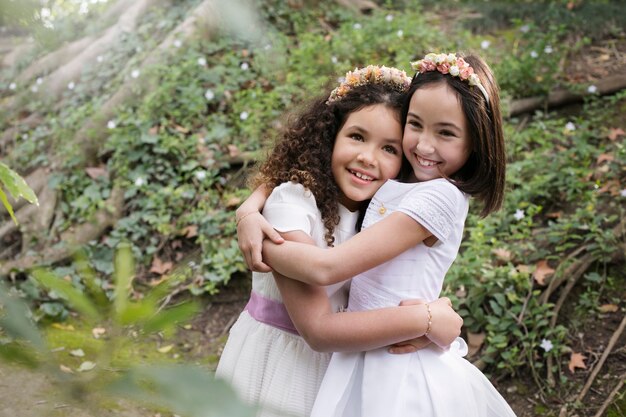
(366, 157)
(425, 144)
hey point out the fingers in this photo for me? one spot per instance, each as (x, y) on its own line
(401, 349)
(272, 234)
(411, 302)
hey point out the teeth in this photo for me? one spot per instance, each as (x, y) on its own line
(426, 163)
(362, 176)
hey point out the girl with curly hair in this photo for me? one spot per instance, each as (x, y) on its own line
(324, 168)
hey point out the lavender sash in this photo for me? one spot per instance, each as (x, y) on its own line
(270, 312)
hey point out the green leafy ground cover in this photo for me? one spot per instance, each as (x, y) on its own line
(181, 152)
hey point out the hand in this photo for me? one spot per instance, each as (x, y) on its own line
(445, 324)
(252, 229)
(410, 346)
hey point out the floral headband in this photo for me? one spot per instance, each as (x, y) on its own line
(450, 64)
(372, 74)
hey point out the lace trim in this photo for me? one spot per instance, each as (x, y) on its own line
(432, 209)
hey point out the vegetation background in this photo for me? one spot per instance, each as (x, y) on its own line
(135, 123)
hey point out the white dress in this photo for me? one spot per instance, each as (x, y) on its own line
(428, 383)
(265, 364)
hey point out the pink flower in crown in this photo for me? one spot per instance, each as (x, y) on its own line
(465, 72)
(443, 68)
(426, 66)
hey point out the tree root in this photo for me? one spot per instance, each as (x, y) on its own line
(73, 238)
(11, 134)
(612, 395)
(561, 97)
(92, 133)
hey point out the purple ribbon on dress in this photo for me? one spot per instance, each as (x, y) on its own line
(270, 312)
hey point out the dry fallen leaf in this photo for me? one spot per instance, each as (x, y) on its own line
(615, 133)
(190, 231)
(77, 352)
(577, 360)
(66, 369)
(524, 269)
(605, 157)
(165, 349)
(160, 267)
(502, 254)
(554, 214)
(95, 172)
(474, 342)
(98, 331)
(233, 202)
(86, 366)
(233, 151)
(542, 271)
(608, 308)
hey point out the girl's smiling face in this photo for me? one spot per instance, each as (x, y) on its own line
(436, 141)
(367, 152)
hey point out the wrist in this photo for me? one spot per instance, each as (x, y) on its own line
(239, 217)
(429, 320)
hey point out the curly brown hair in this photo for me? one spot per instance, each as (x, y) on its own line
(303, 151)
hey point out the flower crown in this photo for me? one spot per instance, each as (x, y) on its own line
(372, 74)
(449, 64)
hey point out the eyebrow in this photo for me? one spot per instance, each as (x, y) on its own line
(441, 124)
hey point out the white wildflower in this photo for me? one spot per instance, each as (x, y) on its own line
(485, 44)
(334, 59)
(178, 43)
(71, 85)
(202, 61)
(245, 66)
(570, 126)
(140, 181)
(135, 73)
(524, 29)
(548, 49)
(546, 345)
(100, 58)
(45, 12)
(243, 115)
(24, 136)
(34, 89)
(111, 124)
(400, 33)
(389, 17)
(39, 81)
(209, 95)
(623, 192)
(592, 89)
(200, 175)
(519, 214)
(267, 47)
(357, 26)
(12, 86)
(534, 54)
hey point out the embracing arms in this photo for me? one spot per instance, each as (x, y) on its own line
(369, 248)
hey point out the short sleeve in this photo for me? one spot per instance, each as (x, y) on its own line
(437, 205)
(291, 207)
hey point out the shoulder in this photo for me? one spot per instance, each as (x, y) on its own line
(292, 193)
(441, 190)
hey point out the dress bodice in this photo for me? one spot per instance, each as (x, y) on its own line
(418, 272)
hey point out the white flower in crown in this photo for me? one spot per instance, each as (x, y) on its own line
(474, 80)
(454, 71)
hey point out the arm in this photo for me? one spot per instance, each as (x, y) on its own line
(320, 266)
(310, 310)
(252, 228)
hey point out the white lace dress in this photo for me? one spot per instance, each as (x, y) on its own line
(428, 383)
(267, 365)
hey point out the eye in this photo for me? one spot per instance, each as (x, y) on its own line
(356, 136)
(390, 149)
(448, 133)
(414, 123)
